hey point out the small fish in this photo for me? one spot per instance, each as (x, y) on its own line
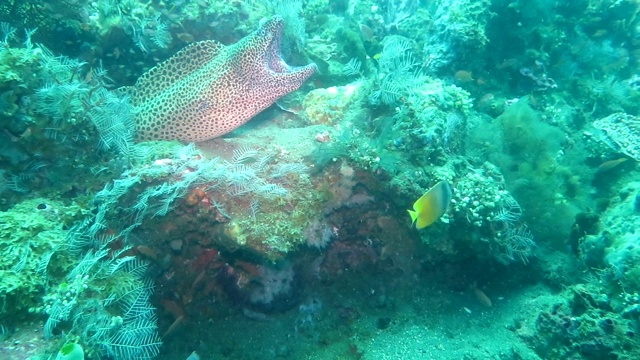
(463, 76)
(600, 33)
(508, 63)
(431, 206)
(366, 32)
(608, 165)
(89, 75)
(481, 296)
(177, 323)
(147, 251)
(186, 37)
(254, 315)
(486, 100)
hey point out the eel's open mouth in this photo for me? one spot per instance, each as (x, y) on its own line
(273, 29)
(274, 69)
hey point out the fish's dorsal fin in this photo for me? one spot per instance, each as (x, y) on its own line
(174, 69)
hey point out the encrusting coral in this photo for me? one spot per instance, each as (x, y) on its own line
(620, 132)
(207, 89)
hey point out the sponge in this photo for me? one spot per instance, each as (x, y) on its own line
(70, 351)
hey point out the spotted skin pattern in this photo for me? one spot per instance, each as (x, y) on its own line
(207, 89)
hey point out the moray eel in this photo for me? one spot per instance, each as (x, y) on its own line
(208, 89)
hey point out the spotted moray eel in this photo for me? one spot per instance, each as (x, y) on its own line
(208, 89)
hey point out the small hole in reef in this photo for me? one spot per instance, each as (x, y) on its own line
(42, 206)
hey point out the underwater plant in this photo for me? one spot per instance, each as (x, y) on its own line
(105, 302)
(294, 32)
(68, 98)
(400, 73)
(234, 178)
(233, 193)
(530, 153)
(147, 29)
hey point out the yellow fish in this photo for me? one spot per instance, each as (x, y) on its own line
(431, 206)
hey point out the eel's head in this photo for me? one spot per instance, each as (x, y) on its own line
(267, 42)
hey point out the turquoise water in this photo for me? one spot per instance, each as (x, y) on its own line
(232, 180)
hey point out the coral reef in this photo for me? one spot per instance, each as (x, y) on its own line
(621, 132)
(106, 303)
(458, 30)
(288, 236)
(58, 108)
(583, 326)
(33, 243)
